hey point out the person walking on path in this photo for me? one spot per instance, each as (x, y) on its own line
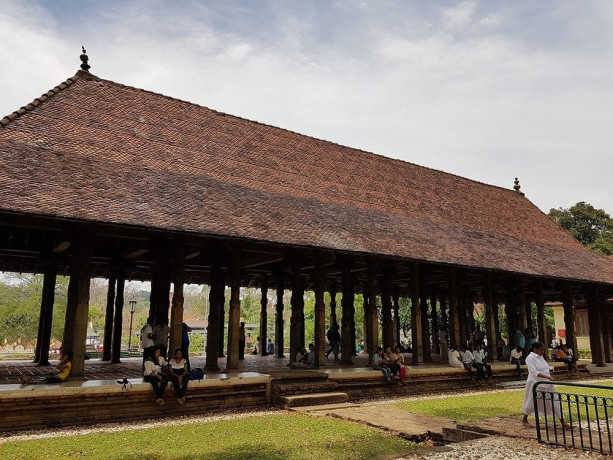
(538, 371)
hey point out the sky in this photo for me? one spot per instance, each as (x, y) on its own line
(489, 90)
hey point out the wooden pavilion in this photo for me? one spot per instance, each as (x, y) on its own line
(102, 179)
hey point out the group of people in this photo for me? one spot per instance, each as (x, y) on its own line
(391, 363)
(158, 372)
(469, 360)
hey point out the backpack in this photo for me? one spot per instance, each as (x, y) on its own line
(196, 374)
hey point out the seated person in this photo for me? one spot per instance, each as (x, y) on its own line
(64, 367)
(302, 358)
(563, 356)
(153, 373)
(379, 364)
(517, 358)
(179, 375)
(480, 363)
(454, 358)
(467, 360)
(270, 347)
(391, 364)
(256, 347)
(571, 360)
(399, 359)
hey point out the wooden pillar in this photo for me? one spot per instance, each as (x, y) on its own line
(490, 326)
(279, 323)
(296, 326)
(469, 305)
(604, 326)
(436, 348)
(521, 305)
(541, 321)
(366, 308)
(496, 312)
(160, 287)
(396, 306)
(118, 319)
(425, 325)
(352, 312)
(221, 299)
(454, 320)
(510, 307)
(416, 331)
(346, 306)
(46, 313)
(263, 315)
(529, 321)
(176, 309)
(107, 340)
(77, 308)
(387, 323)
(594, 320)
(333, 289)
(444, 318)
(320, 313)
(235, 312)
(569, 320)
(214, 320)
(372, 336)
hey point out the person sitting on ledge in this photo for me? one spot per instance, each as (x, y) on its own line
(517, 358)
(256, 347)
(467, 360)
(454, 358)
(154, 367)
(378, 364)
(481, 364)
(302, 358)
(64, 367)
(179, 375)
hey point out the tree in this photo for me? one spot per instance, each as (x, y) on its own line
(592, 227)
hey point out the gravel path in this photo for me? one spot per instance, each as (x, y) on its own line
(499, 448)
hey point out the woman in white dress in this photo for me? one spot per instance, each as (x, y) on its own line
(538, 371)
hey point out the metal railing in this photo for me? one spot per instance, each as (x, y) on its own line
(574, 419)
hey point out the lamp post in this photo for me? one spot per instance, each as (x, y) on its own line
(132, 308)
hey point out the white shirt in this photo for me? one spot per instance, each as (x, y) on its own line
(479, 356)
(161, 335)
(515, 354)
(144, 336)
(454, 358)
(467, 357)
(152, 368)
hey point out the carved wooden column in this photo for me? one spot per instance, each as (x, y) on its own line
(235, 311)
(510, 308)
(118, 320)
(436, 348)
(416, 331)
(444, 317)
(454, 320)
(594, 320)
(296, 327)
(352, 312)
(396, 307)
(541, 321)
(320, 313)
(346, 306)
(263, 315)
(107, 340)
(366, 308)
(496, 312)
(604, 326)
(176, 309)
(469, 305)
(490, 326)
(521, 305)
(279, 323)
(214, 320)
(425, 325)
(569, 320)
(386, 309)
(333, 289)
(46, 313)
(77, 308)
(372, 336)
(221, 299)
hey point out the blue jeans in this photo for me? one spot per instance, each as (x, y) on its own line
(386, 372)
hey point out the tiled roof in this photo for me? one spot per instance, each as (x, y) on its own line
(96, 150)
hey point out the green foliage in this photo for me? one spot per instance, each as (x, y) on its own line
(592, 227)
(251, 438)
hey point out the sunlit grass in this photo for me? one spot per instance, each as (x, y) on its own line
(271, 437)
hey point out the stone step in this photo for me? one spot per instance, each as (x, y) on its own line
(311, 399)
(324, 407)
(303, 387)
(460, 435)
(298, 375)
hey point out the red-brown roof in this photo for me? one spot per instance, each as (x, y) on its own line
(100, 151)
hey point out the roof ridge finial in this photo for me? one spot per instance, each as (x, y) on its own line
(516, 187)
(84, 65)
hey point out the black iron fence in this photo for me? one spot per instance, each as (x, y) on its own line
(580, 416)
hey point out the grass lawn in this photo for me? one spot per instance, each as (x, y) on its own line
(487, 405)
(270, 437)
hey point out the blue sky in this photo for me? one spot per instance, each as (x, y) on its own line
(488, 90)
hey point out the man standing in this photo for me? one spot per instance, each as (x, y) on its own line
(185, 329)
(147, 339)
(160, 334)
